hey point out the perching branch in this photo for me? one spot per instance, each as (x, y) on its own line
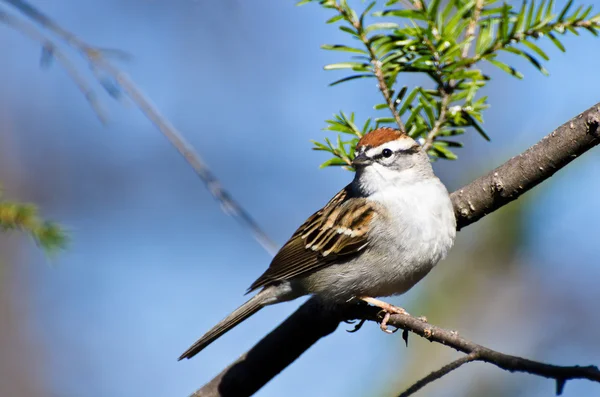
(472, 202)
(475, 352)
(98, 61)
(263, 362)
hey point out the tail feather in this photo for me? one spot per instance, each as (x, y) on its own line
(252, 306)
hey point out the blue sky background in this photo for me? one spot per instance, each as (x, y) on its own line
(154, 263)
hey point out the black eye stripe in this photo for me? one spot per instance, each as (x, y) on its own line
(411, 150)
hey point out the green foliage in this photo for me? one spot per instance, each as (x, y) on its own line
(344, 125)
(449, 42)
(24, 217)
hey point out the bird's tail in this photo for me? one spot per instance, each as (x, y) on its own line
(253, 305)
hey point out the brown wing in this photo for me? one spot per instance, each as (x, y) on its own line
(337, 230)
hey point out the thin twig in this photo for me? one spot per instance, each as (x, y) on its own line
(531, 33)
(46, 22)
(97, 60)
(377, 71)
(445, 91)
(384, 88)
(435, 375)
(470, 33)
(52, 48)
(229, 206)
(437, 128)
(561, 374)
(418, 4)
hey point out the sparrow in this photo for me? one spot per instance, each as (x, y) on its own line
(378, 236)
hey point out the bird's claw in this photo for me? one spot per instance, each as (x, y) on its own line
(356, 327)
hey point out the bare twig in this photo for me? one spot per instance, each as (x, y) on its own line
(230, 206)
(52, 49)
(472, 202)
(435, 375)
(96, 58)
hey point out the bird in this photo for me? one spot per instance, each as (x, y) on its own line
(377, 237)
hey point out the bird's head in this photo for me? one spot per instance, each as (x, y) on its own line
(385, 156)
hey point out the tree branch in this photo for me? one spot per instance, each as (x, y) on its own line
(526, 170)
(98, 61)
(295, 335)
(484, 195)
(561, 374)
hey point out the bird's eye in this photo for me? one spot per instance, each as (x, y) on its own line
(387, 153)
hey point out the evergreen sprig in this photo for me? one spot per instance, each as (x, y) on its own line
(24, 217)
(449, 42)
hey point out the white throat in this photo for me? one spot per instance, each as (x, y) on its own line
(376, 177)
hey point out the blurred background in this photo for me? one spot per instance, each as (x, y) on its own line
(154, 262)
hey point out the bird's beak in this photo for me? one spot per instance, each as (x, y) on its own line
(361, 160)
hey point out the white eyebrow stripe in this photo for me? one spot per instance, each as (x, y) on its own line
(373, 152)
(398, 144)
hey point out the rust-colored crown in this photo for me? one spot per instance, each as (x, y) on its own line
(379, 136)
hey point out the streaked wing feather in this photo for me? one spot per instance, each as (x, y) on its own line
(336, 231)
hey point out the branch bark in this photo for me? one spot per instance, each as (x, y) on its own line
(275, 352)
(472, 202)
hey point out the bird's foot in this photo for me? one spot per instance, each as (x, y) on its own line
(387, 310)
